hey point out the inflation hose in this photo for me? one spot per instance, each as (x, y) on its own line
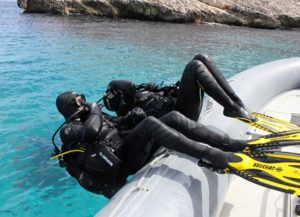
(57, 150)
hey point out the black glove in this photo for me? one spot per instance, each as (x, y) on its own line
(133, 117)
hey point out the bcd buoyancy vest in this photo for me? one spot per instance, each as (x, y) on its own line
(99, 166)
(154, 104)
(103, 155)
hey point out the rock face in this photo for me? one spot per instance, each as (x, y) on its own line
(254, 13)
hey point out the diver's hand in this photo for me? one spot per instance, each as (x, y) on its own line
(133, 117)
(81, 112)
(88, 108)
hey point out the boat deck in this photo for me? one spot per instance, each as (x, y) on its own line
(250, 200)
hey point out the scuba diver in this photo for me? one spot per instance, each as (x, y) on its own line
(200, 75)
(100, 158)
(186, 96)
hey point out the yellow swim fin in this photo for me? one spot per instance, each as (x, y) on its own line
(272, 141)
(276, 170)
(268, 123)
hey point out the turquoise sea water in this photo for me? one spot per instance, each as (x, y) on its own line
(43, 55)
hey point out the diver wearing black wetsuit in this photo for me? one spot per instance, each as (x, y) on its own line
(101, 160)
(199, 76)
(89, 133)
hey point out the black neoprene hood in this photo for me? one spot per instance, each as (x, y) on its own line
(66, 105)
(125, 96)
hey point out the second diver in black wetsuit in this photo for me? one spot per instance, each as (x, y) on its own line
(200, 75)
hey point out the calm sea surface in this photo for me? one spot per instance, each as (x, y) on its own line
(44, 55)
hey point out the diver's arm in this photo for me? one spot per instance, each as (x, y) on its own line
(71, 133)
(93, 123)
(131, 119)
(87, 131)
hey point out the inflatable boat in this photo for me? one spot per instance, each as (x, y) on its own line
(173, 185)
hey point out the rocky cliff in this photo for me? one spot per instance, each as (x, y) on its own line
(254, 13)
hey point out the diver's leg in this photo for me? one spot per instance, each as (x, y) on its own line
(213, 69)
(153, 129)
(201, 133)
(190, 96)
(210, 86)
